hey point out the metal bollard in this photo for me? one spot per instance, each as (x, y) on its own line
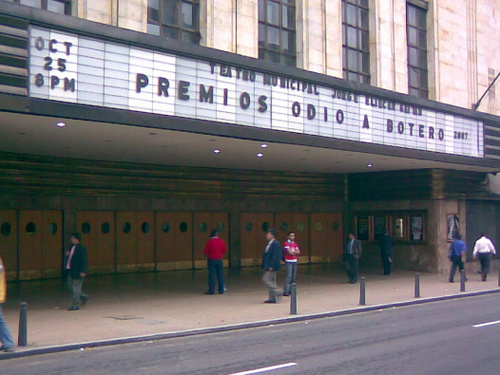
(362, 291)
(417, 285)
(23, 325)
(293, 299)
(462, 280)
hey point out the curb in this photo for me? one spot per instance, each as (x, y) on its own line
(202, 331)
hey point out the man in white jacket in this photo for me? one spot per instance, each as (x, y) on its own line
(484, 249)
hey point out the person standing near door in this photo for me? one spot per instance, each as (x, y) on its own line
(291, 251)
(215, 250)
(271, 265)
(352, 255)
(76, 268)
(5, 334)
(484, 249)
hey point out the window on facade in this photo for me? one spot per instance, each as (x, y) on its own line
(175, 19)
(355, 41)
(416, 25)
(403, 226)
(277, 31)
(56, 6)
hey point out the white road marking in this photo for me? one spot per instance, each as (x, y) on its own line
(265, 369)
(486, 324)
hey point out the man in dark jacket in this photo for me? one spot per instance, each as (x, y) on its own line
(271, 265)
(352, 255)
(76, 268)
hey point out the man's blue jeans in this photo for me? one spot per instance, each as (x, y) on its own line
(291, 275)
(215, 270)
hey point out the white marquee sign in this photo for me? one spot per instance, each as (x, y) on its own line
(71, 68)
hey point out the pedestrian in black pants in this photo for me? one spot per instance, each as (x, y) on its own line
(352, 255)
(386, 243)
(458, 248)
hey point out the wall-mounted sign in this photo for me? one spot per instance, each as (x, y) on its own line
(71, 68)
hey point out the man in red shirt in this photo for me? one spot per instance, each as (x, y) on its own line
(215, 250)
(290, 250)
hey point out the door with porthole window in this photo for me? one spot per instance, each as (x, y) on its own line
(253, 228)
(327, 240)
(203, 223)
(8, 242)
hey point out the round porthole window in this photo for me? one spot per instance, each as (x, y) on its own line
(31, 228)
(86, 227)
(336, 226)
(318, 226)
(145, 227)
(221, 227)
(265, 226)
(127, 227)
(6, 229)
(203, 227)
(53, 228)
(183, 227)
(105, 228)
(284, 226)
(249, 227)
(165, 228)
(301, 227)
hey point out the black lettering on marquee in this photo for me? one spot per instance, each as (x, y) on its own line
(48, 63)
(411, 125)
(366, 124)
(163, 85)
(54, 81)
(183, 89)
(325, 114)
(311, 112)
(401, 127)
(431, 132)
(141, 81)
(206, 96)
(441, 134)
(390, 126)
(226, 93)
(69, 84)
(262, 103)
(245, 100)
(51, 46)
(39, 43)
(296, 109)
(339, 116)
(421, 131)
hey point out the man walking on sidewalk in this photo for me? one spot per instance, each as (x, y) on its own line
(484, 249)
(271, 265)
(5, 335)
(76, 267)
(215, 250)
(457, 251)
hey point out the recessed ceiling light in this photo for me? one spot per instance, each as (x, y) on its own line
(264, 145)
(260, 155)
(61, 124)
(216, 151)
(369, 165)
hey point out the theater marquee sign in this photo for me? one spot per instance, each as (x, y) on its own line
(71, 68)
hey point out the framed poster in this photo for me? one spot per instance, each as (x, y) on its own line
(417, 228)
(453, 222)
(363, 228)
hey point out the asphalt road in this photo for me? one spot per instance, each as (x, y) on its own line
(433, 338)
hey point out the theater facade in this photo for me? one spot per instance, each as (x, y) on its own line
(144, 144)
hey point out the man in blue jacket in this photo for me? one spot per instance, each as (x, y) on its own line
(76, 268)
(271, 265)
(457, 251)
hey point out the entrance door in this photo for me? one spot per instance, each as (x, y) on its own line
(165, 240)
(183, 230)
(326, 237)
(105, 237)
(126, 241)
(145, 241)
(253, 236)
(52, 243)
(8, 242)
(30, 244)
(203, 223)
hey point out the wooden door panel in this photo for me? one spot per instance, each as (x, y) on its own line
(202, 226)
(8, 242)
(145, 240)
(319, 239)
(301, 228)
(105, 245)
(336, 227)
(183, 230)
(248, 235)
(126, 241)
(86, 224)
(165, 240)
(30, 247)
(52, 245)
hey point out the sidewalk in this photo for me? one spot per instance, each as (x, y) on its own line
(122, 306)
